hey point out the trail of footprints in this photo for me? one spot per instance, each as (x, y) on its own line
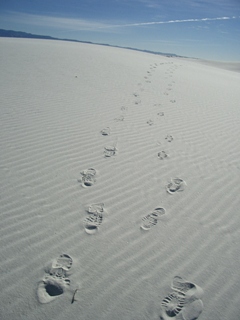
(88, 176)
(184, 302)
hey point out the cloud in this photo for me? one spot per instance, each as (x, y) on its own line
(172, 21)
(75, 24)
(54, 22)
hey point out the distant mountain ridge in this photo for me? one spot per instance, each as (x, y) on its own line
(20, 34)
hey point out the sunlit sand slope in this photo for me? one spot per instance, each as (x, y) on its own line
(120, 186)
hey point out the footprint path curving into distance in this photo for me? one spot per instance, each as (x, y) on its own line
(185, 298)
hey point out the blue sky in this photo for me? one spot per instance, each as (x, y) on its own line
(208, 29)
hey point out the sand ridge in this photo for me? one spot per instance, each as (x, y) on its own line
(119, 170)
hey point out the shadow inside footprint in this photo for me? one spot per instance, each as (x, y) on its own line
(53, 289)
(91, 229)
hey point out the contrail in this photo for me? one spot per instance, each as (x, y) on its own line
(172, 21)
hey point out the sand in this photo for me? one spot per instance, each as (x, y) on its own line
(119, 184)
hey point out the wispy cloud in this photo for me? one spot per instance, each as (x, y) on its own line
(72, 24)
(75, 24)
(172, 21)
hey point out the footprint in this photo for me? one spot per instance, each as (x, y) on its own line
(95, 208)
(51, 288)
(176, 185)
(92, 222)
(150, 122)
(151, 219)
(160, 114)
(55, 282)
(105, 131)
(173, 101)
(169, 138)
(173, 304)
(120, 118)
(191, 290)
(193, 310)
(124, 108)
(95, 217)
(57, 273)
(110, 151)
(87, 177)
(181, 285)
(162, 155)
(64, 262)
(183, 301)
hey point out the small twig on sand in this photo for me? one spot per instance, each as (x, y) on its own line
(73, 298)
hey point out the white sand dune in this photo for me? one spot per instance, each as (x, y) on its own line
(164, 118)
(233, 66)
